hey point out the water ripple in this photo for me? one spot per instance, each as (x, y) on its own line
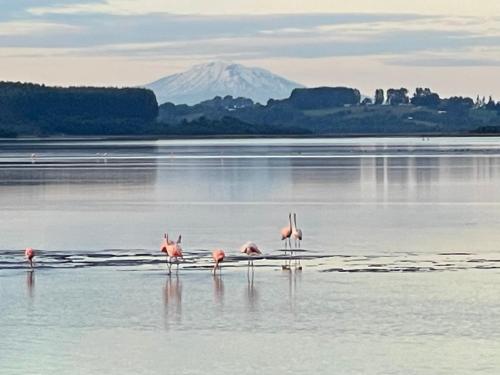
(200, 259)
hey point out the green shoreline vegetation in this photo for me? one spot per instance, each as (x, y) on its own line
(31, 110)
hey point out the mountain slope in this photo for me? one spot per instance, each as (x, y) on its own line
(203, 82)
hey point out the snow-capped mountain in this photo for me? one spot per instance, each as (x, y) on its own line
(206, 81)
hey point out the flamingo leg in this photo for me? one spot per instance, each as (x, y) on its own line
(169, 265)
(285, 266)
(300, 265)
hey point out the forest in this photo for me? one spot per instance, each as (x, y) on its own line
(37, 110)
(31, 109)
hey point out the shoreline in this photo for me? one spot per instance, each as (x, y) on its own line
(239, 136)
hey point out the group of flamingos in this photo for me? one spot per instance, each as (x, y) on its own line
(173, 249)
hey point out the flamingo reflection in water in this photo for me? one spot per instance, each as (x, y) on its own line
(251, 292)
(172, 297)
(30, 283)
(218, 290)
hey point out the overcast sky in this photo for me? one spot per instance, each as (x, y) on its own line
(451, 46)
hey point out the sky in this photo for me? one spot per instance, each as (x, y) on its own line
(451, 46)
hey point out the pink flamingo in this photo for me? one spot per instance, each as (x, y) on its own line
(29, 253)
(297, 236)
(218, 256)
(172, 250)
(250, 249)
(286, 233)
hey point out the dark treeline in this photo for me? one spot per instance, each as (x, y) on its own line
(342, 111)
(37, 110)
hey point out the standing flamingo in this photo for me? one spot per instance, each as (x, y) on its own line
(29, 253)
(286, 232)
(218, 256)
(250, 249)
(297, 236)
(172, 250)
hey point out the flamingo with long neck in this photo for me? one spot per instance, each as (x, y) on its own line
(218, 256)
(286, 233)
(297, 236)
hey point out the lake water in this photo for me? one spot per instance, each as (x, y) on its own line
(400, 263)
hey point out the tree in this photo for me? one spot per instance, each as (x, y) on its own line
(491, 106)
(425, 98)
(379, 97)
(397, 96)
(458, 105)
(323, 97)
(478, 102)
(366, 101)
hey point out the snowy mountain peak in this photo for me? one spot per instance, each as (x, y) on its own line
(219, 78)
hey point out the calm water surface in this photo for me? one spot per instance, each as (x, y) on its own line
(400, 269)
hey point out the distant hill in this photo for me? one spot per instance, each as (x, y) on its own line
(31, 109)
(37, 110)
(331, 111)
(203, 82)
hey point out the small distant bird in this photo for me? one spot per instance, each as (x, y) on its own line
(250, 249)
(29, 253)
(218, 256)
(172, 250)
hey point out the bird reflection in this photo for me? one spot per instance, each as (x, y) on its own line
(30, 283)
(173, 300)
(251, 292)
(218, 290)
(294, 279)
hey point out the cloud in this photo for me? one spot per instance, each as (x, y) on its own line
(443, 62)
(26, 28)
(135, 7)
(93, 7)
(112, 29)
(80, 29)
